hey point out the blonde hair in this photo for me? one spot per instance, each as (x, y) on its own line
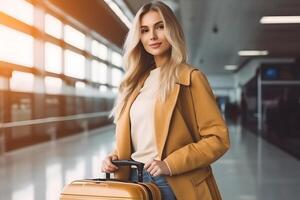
(137, 62)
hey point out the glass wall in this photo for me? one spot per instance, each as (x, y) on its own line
(21, 81)
(74, 64)
(116, 59)
(61, 50)
(53, 26)
(18, 9)
(53, 58)
(16, 47)
(53, 85)
(99, 72)
(99, 50)
(117, 76)
(74, 37)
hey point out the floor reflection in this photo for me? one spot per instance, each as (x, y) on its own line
(251, 170)
(40, 172)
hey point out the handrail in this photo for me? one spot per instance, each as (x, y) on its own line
(52, 119)
(280, 82)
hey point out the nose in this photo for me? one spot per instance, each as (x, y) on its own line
(153, 34)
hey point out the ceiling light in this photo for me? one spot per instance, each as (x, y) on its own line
(117, 10)
(231, 67)
(253, 53)
(280, 20)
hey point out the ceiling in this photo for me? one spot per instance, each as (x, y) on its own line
(215, 30)
(95, 15)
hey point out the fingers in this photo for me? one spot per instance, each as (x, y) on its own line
(151, 166)
(114, 157)
(156, 171)
(147, 165)
(108, 166)
(154, 168)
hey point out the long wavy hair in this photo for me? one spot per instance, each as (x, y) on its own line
(137, 62)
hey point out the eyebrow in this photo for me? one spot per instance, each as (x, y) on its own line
(154, 24)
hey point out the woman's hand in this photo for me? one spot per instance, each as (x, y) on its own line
(108, 166)
(157, 168)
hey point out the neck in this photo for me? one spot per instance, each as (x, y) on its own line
(161, 59)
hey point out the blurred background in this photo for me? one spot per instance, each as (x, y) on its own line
(61, 65)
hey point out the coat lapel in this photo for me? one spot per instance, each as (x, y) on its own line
(162, 118)
(163, 111)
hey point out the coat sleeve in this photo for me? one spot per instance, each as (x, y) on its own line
(213, 131)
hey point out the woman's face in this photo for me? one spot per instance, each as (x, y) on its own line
(153, 34)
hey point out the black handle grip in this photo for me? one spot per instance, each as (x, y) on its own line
(139, 166)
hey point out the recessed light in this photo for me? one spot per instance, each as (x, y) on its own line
(253, 53)
(119, 12)
(280, 20)
(230, 67)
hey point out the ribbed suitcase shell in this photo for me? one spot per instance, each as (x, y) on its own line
(110, 190)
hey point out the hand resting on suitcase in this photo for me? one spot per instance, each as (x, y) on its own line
(108, 166)
(157, 168)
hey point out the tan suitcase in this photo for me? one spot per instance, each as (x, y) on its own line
(109, 189)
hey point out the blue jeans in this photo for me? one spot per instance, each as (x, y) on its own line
(160, 181)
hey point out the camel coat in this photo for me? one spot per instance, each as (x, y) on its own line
(190, 135)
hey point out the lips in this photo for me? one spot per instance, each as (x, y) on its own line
(155, 45)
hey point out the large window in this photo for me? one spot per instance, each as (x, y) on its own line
(53, 85)
(80, 85)
(53, 26)
(116, 59)
(103, 88)
(20, 47)
(74, 37)
(99, 72)
(26, 191)
(21, 81)
(114, 90)
(16, 47)
(53, 58)
(116, 77)
(99, 50)
(74, 64)
(19, 9)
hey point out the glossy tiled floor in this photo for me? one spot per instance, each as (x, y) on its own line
(251, 170)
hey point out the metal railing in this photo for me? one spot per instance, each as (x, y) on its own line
(52, 119)
(44, 121)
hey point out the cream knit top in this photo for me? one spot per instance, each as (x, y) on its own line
(142, 120)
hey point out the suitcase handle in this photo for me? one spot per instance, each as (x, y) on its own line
(139, 166)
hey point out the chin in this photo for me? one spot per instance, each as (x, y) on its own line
(156, 53)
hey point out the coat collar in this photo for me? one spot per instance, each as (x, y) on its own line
(162, 116)
(184, 74)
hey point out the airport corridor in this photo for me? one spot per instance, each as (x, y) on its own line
(252, 169)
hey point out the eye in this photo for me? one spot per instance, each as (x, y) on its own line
(161, 26)
(144, 30)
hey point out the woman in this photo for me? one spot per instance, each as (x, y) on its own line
(166, 115)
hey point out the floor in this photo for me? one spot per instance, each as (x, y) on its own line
(251, 170)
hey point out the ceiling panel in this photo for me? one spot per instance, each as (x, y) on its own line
(216, 30)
